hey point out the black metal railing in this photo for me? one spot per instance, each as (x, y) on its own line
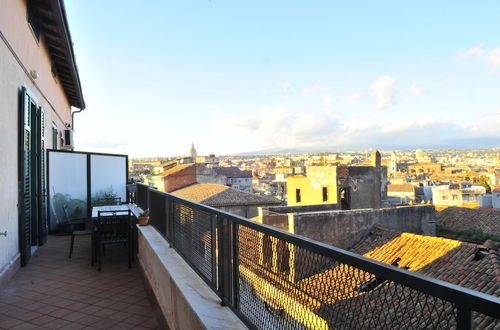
(141, 196)
(273, 279)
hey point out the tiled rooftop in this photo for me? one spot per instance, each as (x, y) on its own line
(55, 292)
(233, 172)
(219, 195)
(449, 260)
(465, 219)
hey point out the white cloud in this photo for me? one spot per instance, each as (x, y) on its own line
(315, 88)
(415, 90)
(353, 97)
(329, 99)
(493, 58)
(385, 91)
(278, 127)
(285, 86)
(475, 51)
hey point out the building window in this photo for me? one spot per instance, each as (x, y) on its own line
(54, 136)
(32, 23)
(297, 195)
(325, 194)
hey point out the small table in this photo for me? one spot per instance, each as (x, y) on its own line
(136, 211)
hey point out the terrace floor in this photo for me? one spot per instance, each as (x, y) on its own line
(55, 292)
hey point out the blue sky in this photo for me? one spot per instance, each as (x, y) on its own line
(235, 76)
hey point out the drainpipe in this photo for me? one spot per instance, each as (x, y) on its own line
(73, 119)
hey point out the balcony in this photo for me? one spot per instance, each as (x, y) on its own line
(205, 268)
(57, 292)
(273, 279)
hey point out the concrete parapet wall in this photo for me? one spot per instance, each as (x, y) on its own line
(343, 229)
(303, 208)
(185, 300)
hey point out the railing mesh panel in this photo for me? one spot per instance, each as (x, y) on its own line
(158, 216)
(193, 238)
(284, 286)
(278, 282)
(142, 196)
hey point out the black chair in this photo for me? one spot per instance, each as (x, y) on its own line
(112, 227)
(75, 225)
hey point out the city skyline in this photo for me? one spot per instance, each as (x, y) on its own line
(236, 77)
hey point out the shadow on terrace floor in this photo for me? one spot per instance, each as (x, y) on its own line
(56, 292)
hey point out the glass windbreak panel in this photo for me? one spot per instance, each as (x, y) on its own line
(108, 179)
(67, 187)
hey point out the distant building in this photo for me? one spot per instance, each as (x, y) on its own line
(421, 156)
(393, 164)
(457, 195)
(352, 187)
(401, 193)
(182, 175)
(495, 198)
(209, 160)
(143, 165)
(192, 152)
(318, 187)
(425, 168)
(227, 199)
(174, 178)
(236, 178)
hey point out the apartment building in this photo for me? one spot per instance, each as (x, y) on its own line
(39, 85)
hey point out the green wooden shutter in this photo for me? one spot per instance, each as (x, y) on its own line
(25, 198)
(42, 230)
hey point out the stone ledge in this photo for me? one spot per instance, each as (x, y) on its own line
(185, 299)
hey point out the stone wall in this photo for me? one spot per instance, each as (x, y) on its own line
(368, 186)
(343, 229)
(303, 208)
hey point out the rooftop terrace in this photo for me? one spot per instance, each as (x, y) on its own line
(55, 292)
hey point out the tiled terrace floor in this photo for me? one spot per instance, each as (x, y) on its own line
(56, 292)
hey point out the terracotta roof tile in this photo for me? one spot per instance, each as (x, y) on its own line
(174, 170)
(466, 219)
(233, 172)
(200, 192)
(217, 195)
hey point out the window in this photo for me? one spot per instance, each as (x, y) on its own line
(325, 194)
(32, 23)
(297, 195)
(54, 136)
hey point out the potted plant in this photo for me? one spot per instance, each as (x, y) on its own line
(144, 218)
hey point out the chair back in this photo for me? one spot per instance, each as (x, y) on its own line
(107, 201)
(113, 225)
(68, 217)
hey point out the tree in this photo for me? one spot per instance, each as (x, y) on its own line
(485, 182)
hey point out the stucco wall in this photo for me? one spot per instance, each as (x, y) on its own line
(20, 53)
(311, 186)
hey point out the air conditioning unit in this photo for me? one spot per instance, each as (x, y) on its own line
(68, 140)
